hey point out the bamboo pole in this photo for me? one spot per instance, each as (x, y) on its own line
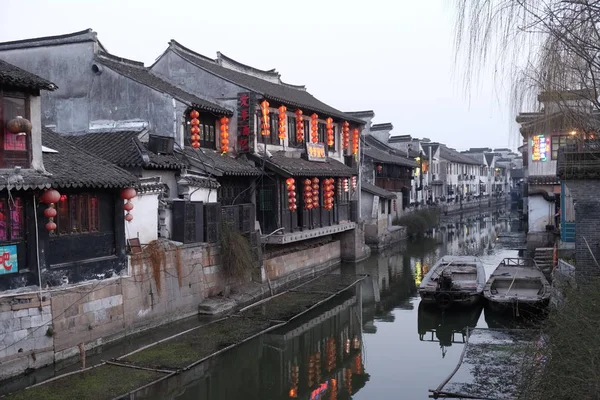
(162, 371)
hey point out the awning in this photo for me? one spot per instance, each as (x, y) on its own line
(294, 164)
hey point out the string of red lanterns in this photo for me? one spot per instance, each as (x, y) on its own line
(308, 194)
(340, 187)
(50, 197)
(224, 135)
(354, 183)
(282, 110)
(345, 135)
(264, 119)
(299, 127)
(291, 194)
(329, 125)
(314, 128)
(315, 192)
(346, 188)
(355, 133)
(195, 129)
(328, 193)
(334, 390)
(128, 194)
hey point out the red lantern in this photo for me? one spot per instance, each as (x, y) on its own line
(195, 122)
(194, 114)
(128, 206)
(50, 196)
(128, 193)
(196, 145)
(379, 168)
(264, 107)
(345, 135)
(128, 217)
(282, 111)
(355, 141)
(224, 135)
(314, 128)
(50, 212)
(291, 193)
(330, 138)
(51, 226)
(354, 183)
(299, 126)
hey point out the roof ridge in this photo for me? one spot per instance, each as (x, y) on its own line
(271, 71)
(122, 60)
(178, 46)
(53, 37)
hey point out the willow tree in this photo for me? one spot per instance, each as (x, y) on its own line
(537, 45)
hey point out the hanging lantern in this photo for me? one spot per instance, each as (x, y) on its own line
(265, 120)
(314, 128)
(195, 129)
(291, 194)
(282, 110)
(346, 188)
(299, 127)
(334, 389)
(348, 380)
(354, 183)
(395, 209)
(355, 134)
(50, 197)
(127, 194)
(328, 193)
(315, 192)
(224, 134)
(19, 126)
(329, 126)
(308, 194)
(379, 168)
(345, 135)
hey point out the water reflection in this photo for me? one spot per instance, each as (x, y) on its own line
(446, 328)
(317, 357)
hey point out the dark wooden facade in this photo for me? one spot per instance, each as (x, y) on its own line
(89, 250)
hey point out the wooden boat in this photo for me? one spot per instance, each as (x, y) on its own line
(515, 283)
(453, 280)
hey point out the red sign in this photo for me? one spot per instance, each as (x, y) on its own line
(245, 122)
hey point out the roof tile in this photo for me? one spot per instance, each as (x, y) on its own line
(377, 191)
(293, 164)
(11, 75)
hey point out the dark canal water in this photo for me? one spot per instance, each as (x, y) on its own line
(376, 343)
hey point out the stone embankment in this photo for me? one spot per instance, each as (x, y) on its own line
(166, 358)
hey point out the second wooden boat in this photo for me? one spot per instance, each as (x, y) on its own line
(515, 283)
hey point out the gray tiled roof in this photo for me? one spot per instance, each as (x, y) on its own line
(377, 191)
(456, 157)
(11, 75)
(280, 92)
(215, 164)
(124, 149)
(71, 166)
(136, 71)
(293, 164)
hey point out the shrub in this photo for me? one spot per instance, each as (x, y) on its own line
(419, 222)
(237, 260)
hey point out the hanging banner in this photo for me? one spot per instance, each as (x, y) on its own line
(245, 125)
(8, 258)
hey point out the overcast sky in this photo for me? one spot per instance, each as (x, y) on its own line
(395, 58)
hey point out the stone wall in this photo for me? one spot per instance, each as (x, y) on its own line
(25, 339)
(294, 265)
(34, 334)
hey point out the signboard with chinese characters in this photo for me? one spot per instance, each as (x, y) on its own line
(8, 259)
(540, 147)
(316, 152)
(245, 124)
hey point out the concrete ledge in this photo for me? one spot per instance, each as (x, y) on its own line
(309, 234)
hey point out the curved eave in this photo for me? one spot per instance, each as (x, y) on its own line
(340, 116)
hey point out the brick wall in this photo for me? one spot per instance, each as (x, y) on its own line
(97, 312)
(303, 262)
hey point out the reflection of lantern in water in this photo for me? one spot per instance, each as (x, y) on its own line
(347, 346)
(333, 389)
(348, 380)
(356, 342)
(358, 364)
(330, 350)
(318, 367)
(294, 380)
(311, 371)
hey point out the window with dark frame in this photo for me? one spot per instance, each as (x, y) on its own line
(556, 142)
(12, 219)
(77, 214)
(291, 131)
(15, 150)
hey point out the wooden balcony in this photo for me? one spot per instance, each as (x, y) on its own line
(392, 184)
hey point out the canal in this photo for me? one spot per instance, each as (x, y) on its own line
(374, 343)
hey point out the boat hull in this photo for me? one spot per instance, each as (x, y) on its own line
(444, 300)
(518, 306)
